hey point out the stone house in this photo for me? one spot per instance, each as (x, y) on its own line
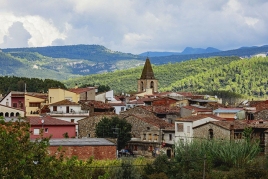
(87, 125)
(167, 113)
(149, 133)
(261, 115)
(233, 130)
(228, 130)
(83, 149)
(184, 126)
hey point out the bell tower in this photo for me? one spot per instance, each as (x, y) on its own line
(147, 79)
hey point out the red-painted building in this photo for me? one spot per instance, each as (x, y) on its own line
(53, 127)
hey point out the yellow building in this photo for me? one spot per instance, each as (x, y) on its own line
(74, 95)
(34, 102)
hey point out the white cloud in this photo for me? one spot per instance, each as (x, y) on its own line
(139, 25)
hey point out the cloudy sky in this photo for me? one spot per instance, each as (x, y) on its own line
(134, 26)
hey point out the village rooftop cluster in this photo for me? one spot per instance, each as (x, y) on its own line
(159, 119)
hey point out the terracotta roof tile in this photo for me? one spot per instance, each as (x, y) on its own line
(162, 109)
(64, 102)
(198, 117)
(36, 121)
(153, 120)
(97, 104)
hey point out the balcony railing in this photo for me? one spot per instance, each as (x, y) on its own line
(71, 113)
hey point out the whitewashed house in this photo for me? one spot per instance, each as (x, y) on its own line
(68, 111)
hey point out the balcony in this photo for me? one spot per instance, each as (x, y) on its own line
(73, 113)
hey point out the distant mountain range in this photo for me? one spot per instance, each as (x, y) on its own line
(64, 62)
(186, 51)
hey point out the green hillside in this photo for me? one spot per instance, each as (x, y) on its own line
(243, 76)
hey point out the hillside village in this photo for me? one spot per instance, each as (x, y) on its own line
(158, 119)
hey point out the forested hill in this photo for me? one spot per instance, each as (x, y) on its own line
(12, 83)
(64, 62)
(244, 76)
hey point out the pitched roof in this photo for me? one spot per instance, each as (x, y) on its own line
(80, 142)
(147, 72)
(198, 117)
(48, 121)
(153, 120)
(81, 90)
(97, 104)
(198, 109)
(228, 110)
(162, 109)
(64, 102)
(238, 124)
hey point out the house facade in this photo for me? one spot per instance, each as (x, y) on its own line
(10, 112)
(149, 133)
(48, 126)
(34, 103)
(230, 113)
(83, 149)
(184, 126)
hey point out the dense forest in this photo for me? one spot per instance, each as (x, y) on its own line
(13, 83)
(243, 76)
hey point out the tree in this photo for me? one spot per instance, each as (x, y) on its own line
(114, 128)
(19, 157)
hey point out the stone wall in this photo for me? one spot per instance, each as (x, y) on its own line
(87, 125)
(85, 152)
(218, 132)
(261, 115)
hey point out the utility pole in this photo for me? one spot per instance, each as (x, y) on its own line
(116, 131)
(204, 170)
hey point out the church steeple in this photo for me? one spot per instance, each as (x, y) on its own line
(147, 81)
(147, 72)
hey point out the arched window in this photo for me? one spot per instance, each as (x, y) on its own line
(17, 114)
(12, 114)
(142, 86)
(1, 114)
(210, 134)
(6, 114)
(152, 84)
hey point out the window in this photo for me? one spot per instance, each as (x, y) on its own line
(72, 120)
(88, 135)
(210, 133)
(188, 129)
(150, 136)
(46, 130)
(54, 108)
(179, 127)
(170, 137)
(36, 131)
(122, 108)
